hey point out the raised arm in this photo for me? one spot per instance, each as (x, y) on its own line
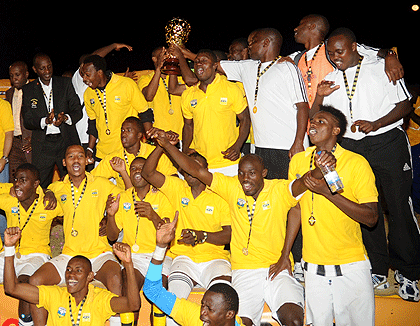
(149, 171)
(186, 163)
(131, 301)
(12, 287)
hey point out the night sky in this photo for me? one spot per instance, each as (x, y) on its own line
(65, 31)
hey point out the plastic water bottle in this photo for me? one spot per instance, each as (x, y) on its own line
(332, 178)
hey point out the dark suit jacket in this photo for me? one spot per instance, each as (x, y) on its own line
(34, 109)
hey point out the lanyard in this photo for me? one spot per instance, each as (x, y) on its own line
(103, 104)
(309, 72)
(27, 220)
(78, 314)
(73, 231)
(49, 99)
(259, 75)
(250, 219)
(135, 247)
(126, 158)
(353, 88)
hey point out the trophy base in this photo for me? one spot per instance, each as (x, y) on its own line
(171, 67)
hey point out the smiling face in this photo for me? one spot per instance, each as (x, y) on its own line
(25, 184)
(342, 52)
(91, 76)
(213, 309)
(78, 275)
(75, 161)
(251, 174)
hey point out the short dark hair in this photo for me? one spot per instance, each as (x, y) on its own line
(138, 158)
(137, 122)
(229, 294)
(98, 62)
(348, 33)
(39, 55)
(339, 116)
(29, 167)
(85, 259)
(210, 53)
(253, 157)
(201, 157)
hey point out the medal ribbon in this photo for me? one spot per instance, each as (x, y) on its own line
(167, 90)
(137, 215)
(103, 104)
(79, 314)
(48, 99)
(27, 220)
(353, 88)
(260, 74)
(250, 219)
(309, 72)
(78, 201)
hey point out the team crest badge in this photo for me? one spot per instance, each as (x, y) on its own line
(34, 103)
(92, 101)
(193, 103)
(241, 202)
(61, 312)
(127, 206)
(184, 201)
(63, 198)
(14, 210)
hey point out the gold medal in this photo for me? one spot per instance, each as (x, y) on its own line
(74, 233)
(254, 109)
(353, 128)
(18, 255)
(171, 111)
(312, 220)
(108, 132)
(135, 247)
(245, 251)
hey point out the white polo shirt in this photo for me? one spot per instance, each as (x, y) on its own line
(82, 125)
(280, 88)
(374, 97)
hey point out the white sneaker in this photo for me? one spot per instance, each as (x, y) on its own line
(298, 273)
(408, 289)
(380, 282)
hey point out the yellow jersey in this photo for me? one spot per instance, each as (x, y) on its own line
(126, 219)
(166, 108)
(105, 170)
(6, 122)
(268, 225)
(208, 212)
(89, 214)
(335, 238)
(96, 309)
(36, 232)
(123, 99)
(214, 116)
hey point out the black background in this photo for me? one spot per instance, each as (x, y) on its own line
(66, 30)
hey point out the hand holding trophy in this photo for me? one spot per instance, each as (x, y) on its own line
(176, 32)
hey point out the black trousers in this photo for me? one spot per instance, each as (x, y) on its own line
(52, 153)
(389, 156)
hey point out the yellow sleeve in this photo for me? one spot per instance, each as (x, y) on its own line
(144, 81)
(104, 304)
(5, 188)
(225, 218)
(119, 216)
(137, 99)
(88, 105)
(170, 188)
(6, 121)
(104, 169)
(45, 294)
(363, 186)
(239, 100)
(186, 105)
(165, 207)
(223, 185)
(186, 313)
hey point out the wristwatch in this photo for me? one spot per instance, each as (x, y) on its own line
(5, 158)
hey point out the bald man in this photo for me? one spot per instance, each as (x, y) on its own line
(276, 99)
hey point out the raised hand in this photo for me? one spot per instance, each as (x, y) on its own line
(122, 251)
(325, 88)
(166, 232)
(112, 204)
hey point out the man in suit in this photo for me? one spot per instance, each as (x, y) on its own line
(21, 151)
(50, 108)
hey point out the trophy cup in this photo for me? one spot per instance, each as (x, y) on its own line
(176, 31)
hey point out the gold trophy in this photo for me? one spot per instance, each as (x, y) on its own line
(176, 31)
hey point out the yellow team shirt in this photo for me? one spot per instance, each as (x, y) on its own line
(335, 238)
(187, 313)
(123, 99)
(168, 115)
(214, 115)
(6, 122)
(208, 212)
(126, 219)
(96, 309)
(413, 129)
(36, 234)
(89, 214)
(105, 170)
(268, 225)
